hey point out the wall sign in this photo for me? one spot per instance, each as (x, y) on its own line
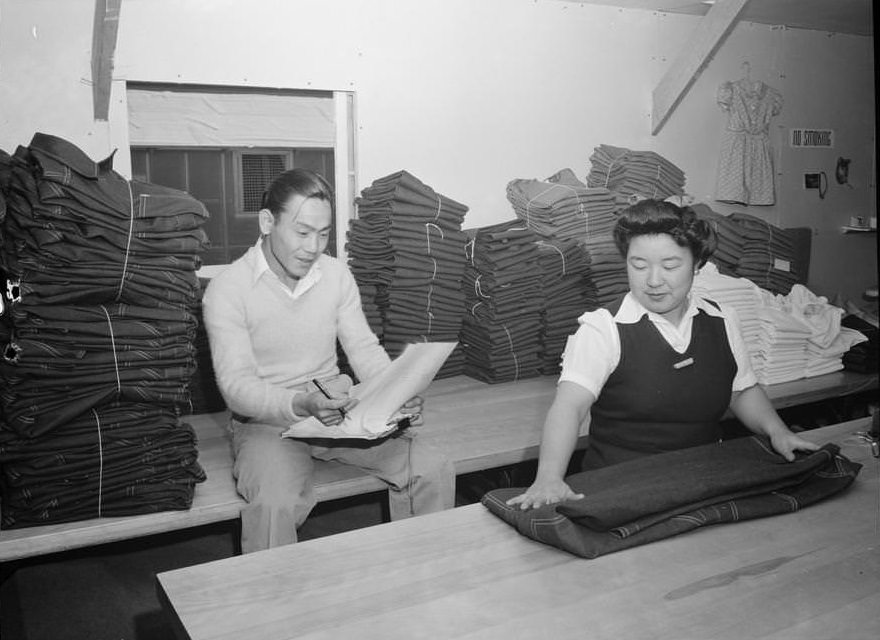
(811, 138)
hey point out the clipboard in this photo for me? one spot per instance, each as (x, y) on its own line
(377, 414)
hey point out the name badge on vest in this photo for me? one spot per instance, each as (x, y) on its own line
(684, 363)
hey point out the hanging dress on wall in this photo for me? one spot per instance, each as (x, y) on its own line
(745, 168)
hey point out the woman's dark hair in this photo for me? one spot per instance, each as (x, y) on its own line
(652, 217)
(296, 182)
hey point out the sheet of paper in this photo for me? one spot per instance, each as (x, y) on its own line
(380, 398)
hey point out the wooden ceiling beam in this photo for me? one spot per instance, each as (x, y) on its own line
(103, 47)
(708, 36)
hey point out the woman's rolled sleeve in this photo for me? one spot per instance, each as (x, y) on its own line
(592, 352)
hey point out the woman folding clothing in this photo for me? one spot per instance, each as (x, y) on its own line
(656, 370)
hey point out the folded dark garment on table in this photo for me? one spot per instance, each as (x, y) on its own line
(663, 495)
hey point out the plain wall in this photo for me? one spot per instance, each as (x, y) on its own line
(468, 95)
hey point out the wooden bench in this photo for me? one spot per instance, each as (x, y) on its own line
(479, 426)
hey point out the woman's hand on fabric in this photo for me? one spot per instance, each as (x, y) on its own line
(785, 443)
(544, 492)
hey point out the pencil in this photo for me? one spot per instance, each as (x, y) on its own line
(327, 395)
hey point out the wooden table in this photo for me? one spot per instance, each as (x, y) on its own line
(463, 573)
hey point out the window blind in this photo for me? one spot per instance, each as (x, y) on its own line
(229, 119)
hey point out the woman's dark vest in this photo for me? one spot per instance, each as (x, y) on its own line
(658, 399)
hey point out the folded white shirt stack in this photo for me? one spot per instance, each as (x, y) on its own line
(741, 294)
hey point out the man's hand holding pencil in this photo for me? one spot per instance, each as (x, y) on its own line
(330, 402)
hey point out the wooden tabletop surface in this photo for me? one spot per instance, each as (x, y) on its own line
(463, 573)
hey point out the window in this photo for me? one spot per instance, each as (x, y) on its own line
(257, 170)
(230, 183)
(224, 145)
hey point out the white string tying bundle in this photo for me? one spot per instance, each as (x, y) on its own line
(613, 160)
(100, 461)
(472, 245)
(439, 207)
(479, 293)
(532, 199)
(581, 207)
(656, 181)
(477, 289)
(113, 345)
(428, 312)
(428, 226)
(128, 242)
(558, 250)
(513, 353)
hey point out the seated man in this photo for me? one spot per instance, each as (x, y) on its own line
(273, 319)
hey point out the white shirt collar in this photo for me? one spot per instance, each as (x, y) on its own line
(631, 310)
(678, 337)
(261, 268)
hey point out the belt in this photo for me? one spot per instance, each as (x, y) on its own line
(240, 418)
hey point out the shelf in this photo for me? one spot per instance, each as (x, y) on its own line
(850, 229)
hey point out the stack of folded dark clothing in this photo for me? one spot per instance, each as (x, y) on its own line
(504, 300)
(864, 357)
(730, 239)
(565, 271)
(100, 298)
(634, 175)
(119, 458)
(371, 260)
(768, 254)
(607, 269)
(407, 253)
(562, 207)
